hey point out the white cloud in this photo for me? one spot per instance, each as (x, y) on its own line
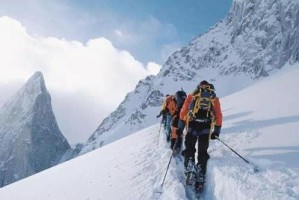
(86, 81)
(154, 68)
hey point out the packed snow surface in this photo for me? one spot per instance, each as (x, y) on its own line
(260, 123)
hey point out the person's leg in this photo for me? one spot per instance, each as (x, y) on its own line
(203, 156)
(168, 126)
(189, 152)
(189, 162)
(163, 120)
(181, 126)
(174, 137)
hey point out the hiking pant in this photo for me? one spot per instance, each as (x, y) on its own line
(197, 133)
(177, 127)
(168, 125)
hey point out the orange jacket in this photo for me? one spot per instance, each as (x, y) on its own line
(172, 106)
(185, 108)
(216, 109)
(166, 102)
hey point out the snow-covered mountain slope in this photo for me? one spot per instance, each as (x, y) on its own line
(260, 122)
(30, 140)
(256, 39)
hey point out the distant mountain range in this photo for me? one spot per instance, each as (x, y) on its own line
(256, 39)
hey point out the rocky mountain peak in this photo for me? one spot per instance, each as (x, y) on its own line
(30, 139)
(256, 39)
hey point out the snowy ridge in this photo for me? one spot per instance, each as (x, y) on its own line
(133, 167)
(121, 116)
(256, 39)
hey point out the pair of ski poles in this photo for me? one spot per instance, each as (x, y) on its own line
(256, 169)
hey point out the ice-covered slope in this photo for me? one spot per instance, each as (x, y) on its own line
(256, 39)
(30, 140)
(260, 122)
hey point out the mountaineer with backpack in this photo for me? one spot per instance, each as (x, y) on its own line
(166, 116)
(177, 126)
(200, 111)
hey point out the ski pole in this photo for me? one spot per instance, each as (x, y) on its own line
(255, 167)
(174, 146)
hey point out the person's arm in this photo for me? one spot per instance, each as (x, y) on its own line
(218, 116)
(185, 108)
(218, 112)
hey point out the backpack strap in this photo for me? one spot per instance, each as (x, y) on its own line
(197, 104)
(212, 102)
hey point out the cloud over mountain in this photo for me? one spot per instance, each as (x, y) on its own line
(95, 75)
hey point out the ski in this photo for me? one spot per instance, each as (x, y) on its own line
(194, 181)
(191, 193)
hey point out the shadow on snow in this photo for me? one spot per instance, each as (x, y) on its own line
(249, 124)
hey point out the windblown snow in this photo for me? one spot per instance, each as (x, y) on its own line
(260, 123)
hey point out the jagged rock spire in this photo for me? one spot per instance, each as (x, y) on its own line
(30, 137)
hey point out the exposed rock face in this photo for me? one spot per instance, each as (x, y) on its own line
(30, 139)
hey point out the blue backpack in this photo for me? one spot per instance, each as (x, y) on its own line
(201, 106)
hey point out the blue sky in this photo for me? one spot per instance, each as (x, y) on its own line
(83, 46)
(149, 30)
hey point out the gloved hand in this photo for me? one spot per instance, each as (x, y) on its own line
(158, 115)
(216, 132)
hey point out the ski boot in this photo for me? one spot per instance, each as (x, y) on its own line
(198, 187)
(199, 182)
(190, 172)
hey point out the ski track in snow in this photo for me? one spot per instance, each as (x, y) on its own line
(173, 186)
(140, 169)
(228, 176)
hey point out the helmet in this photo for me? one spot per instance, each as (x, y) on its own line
(204, 82)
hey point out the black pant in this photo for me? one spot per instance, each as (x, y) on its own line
(177, 142)
(203, 145)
